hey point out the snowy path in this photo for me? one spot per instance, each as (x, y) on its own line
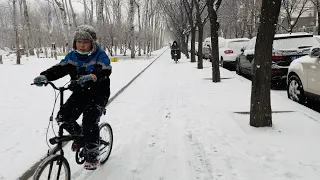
(167, 127)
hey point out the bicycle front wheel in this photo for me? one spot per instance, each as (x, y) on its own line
(53, 167)
(106, 142)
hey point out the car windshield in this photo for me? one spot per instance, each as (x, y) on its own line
(295, 43)
(237, 45)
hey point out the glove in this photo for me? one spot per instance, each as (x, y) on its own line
(86, 78)
(40, 80)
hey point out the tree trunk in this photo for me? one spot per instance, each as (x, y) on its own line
(145, 33)
(15, 26)
(193, 42)
(85, 11)
(64, 26)
(91, 13)
(200, 41)
(260, 112)
(100, 19)
(140, 30)
(214, 28)
(152, 31)
(75, 23)
(1, 62)
(132, 41)
(319, 20)
(46, 52)
(27, 28)
(23, 38)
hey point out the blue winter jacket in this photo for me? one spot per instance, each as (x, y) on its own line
(76, 65)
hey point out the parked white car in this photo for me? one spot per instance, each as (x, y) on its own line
(303, 80)
(206, 47)
(229, 50)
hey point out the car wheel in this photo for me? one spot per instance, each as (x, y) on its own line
(222, 63)
(295, 90)
(238, 69)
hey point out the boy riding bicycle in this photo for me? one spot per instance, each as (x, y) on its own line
(90, 67)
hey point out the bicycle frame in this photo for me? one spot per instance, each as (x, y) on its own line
(60, 133)
(58, 140)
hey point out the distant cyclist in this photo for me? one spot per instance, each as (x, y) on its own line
(175, 48)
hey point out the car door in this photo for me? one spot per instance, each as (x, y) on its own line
(222, 47)
(247, 58)
(314, 76)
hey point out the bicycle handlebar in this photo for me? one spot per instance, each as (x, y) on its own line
(54, 86)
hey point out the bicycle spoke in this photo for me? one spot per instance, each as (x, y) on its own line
(54, 167)
(50, 169)
(59, 169)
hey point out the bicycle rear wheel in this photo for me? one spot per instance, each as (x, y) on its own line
(106, 142)
(53, 167)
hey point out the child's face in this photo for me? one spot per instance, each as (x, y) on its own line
(83, 45)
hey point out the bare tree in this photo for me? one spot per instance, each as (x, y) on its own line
(85, 7)
(177, 22)
(15, 26)
(189, 8)
(51, 22)
(292, 7)
(201, 20)
(213, 6)
(100, 19)
(140, 28)
(6, 31)
(239, 18)
(316, 3)
(74, 19)
(91, 13)
(132, 40)
(65, 24)
(260, 111)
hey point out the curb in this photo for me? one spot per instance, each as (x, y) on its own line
(28, 173)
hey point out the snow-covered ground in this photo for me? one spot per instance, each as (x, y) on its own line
(179, 125)
(174, 123)
(25, 109)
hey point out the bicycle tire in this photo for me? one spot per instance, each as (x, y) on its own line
(106, 143)
(49, 161)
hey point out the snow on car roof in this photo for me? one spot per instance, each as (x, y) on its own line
(291, 34)
(238, 39)
(288, 35)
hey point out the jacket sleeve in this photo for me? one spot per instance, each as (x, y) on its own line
(103, 69)
(59, 70)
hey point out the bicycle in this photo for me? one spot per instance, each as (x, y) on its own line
(59, 159)
(175, 55)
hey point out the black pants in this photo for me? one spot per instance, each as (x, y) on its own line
(92, 107)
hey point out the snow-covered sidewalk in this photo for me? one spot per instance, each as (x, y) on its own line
(25, 109)
(174, 123)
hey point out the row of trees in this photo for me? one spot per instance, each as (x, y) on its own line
(241, 18)
(121, 24)
(185, 17)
